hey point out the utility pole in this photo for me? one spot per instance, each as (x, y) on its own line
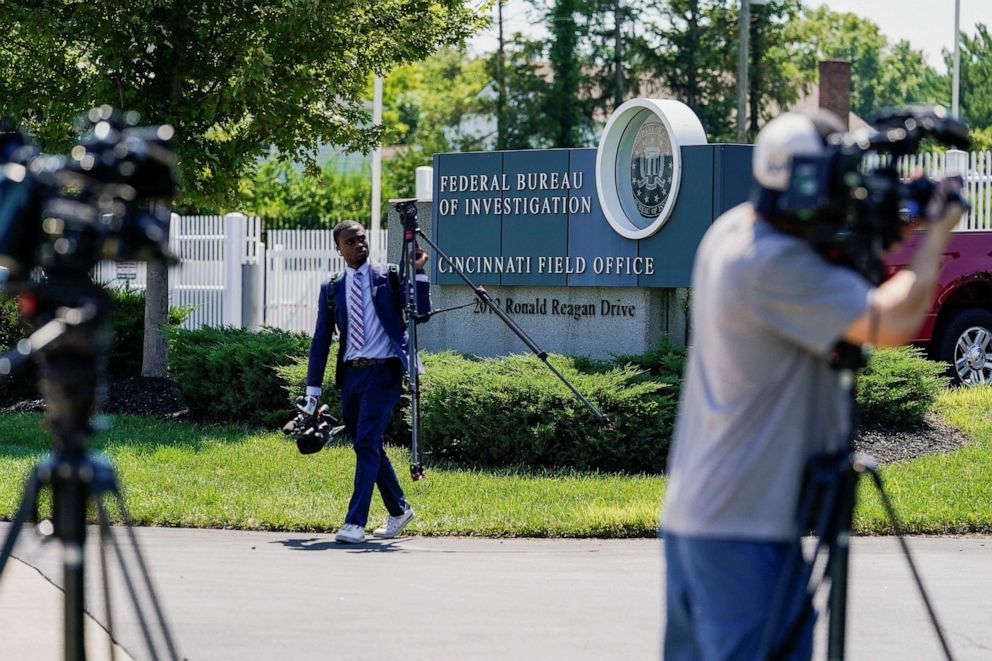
(617, 53)
(500, 84)
(377, 155)
(744, 31)
(956, 79)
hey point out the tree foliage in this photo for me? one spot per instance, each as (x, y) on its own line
(975, 76)
(882, 74)
(233, 76)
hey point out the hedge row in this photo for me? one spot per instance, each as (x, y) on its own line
(127, 319)
(509, 411)
(229, 374)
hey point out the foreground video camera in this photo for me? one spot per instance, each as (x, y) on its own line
(108, 199)
(59, 216)
(854, 214)
(312, 431)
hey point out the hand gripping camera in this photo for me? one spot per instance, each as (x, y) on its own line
(847, 197)
(312, 432)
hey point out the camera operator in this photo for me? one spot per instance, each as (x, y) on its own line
(365, 303)
(760, 396)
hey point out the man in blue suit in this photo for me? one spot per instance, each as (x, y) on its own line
(365, 304)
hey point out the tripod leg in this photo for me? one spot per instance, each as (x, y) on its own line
(104, 543)
(29, 504)
(838, 565)
(413, 377)
(891, 512)
(146, 576)
(149, 644)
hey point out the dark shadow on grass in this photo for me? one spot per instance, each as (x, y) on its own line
(323, 544)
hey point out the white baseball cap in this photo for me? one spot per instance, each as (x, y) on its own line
(785, 137)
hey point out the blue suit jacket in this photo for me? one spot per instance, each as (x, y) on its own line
(385, 309)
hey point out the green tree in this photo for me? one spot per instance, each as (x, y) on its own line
(688, 49)
(882, 75)
(774, 78)
(975, 74)
(526, 125)
(281, 193)
(233, 77)
(562, 104)
(611, 56)
(440, 104)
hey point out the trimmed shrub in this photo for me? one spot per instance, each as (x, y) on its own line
(230, 375)
(12, 328)
(898, 387)
(665, 363)
(128, 319)
(12, 325)
(513, 411)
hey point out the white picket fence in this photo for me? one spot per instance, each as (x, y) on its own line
(227, 276)
(297, 262)
(975, 167)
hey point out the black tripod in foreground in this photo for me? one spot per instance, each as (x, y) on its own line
(72, 345)
(407, 210)
(826, 508)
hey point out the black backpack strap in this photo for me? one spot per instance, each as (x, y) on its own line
(330, 294)
(394, 287)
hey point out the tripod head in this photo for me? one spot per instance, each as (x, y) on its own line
(407, 210)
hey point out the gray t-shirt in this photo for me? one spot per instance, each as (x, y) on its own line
(759, 396)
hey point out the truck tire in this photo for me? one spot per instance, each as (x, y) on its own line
(966, 345)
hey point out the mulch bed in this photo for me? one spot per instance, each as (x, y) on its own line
(158, 397)
(140, 395)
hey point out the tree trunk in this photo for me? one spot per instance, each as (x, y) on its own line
(154, 357)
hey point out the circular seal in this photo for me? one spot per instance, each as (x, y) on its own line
(651, 168)
(638, 163)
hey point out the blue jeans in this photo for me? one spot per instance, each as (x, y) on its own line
(720, 593)
(368, 397)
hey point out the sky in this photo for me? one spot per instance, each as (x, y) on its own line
(927, 24)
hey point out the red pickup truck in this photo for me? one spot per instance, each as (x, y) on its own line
(958, 327)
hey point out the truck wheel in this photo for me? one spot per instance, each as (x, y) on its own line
(966, 345)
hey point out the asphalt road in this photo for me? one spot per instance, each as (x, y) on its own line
(255, 595)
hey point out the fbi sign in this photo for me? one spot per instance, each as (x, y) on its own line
(639, 163)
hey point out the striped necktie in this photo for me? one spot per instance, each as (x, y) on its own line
(356, 316)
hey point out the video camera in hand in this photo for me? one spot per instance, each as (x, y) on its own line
(108, 199)
(853, 213)
(312, 431)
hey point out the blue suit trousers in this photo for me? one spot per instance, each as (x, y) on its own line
(368, 397)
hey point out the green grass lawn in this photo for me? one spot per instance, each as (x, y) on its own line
(177, 474)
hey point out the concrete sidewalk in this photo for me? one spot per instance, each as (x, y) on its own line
(252, 595)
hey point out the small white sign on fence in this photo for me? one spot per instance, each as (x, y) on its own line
(127, 270)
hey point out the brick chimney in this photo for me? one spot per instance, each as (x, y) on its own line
(835, 88)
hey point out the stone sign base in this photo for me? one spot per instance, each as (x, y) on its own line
(577, 321)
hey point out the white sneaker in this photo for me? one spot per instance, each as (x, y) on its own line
(350, 533)
(393, 525)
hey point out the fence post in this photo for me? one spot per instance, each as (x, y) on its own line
(234, 241)
(956, 163)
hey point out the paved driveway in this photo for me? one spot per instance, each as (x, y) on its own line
(253, 595)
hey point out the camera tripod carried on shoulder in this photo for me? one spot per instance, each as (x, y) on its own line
(407, 210)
